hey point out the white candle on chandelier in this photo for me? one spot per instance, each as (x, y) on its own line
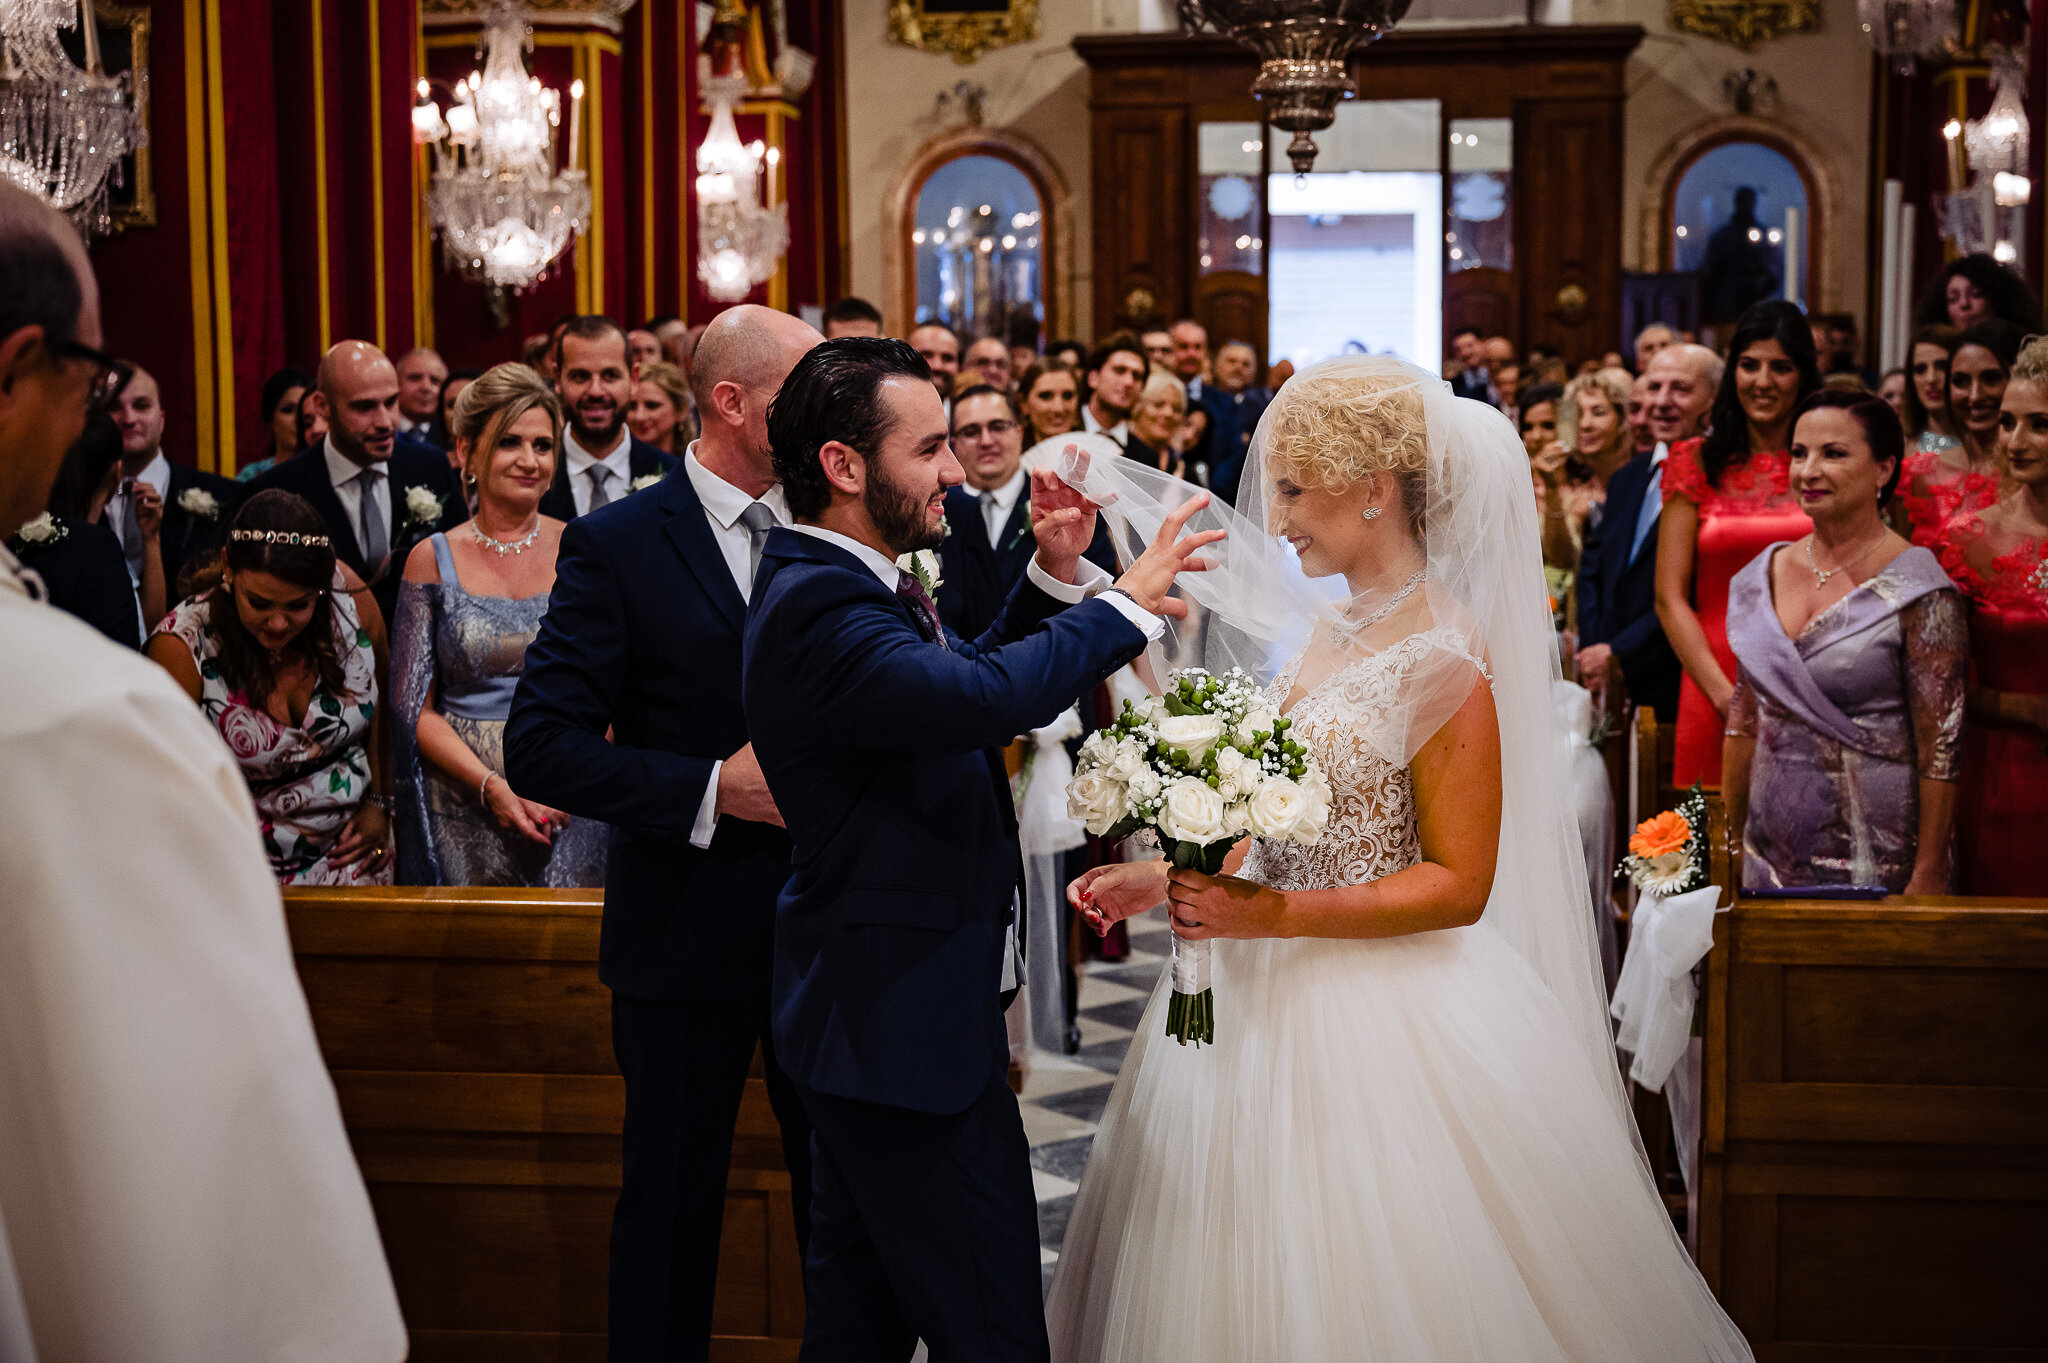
(575, 122)
(89, 31)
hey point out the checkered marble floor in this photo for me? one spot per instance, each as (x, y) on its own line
(1064, 1095)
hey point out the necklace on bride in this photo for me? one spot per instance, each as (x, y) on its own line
(504, 547)
(1351, 631)
(1821, 576)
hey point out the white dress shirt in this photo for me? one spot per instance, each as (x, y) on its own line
(342, 472)
(998, 503)
(175, 1181)
(619, 459)
(1120, 433)
(157, 473)
(723, 505)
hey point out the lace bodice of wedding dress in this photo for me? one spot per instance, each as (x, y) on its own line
(1371, 830)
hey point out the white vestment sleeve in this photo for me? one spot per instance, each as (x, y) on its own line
(175, 1181)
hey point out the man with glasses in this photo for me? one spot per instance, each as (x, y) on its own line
(175, 1181)
(196, 507)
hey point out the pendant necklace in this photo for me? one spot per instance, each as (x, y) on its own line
(1820, 579)
(1383, 612)
(504, 547)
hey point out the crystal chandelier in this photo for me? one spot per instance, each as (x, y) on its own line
(740, 239)
(1905, 30)
(1305, 48)
(504, 213)
(63, 131)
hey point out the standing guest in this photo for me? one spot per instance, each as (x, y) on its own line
(443, 432)
(1999, 557)
(1116, 371)
(673, 333)
(1072, 354)
(283, 653)
(1891, 387)
(1843, 733)
(1158, 343)
(1639, 415)
(70, 547)
(1573, 470)
(661, 403)
(282, 392)
(643, 347)
(988, 361)
(1507, 385)
(176, 1185)
(1727, 496)
(602, 460)
(941, 350)
(1651, 339)
(195, 506)
(1929, 425)
(1235, 407)
(471, 604)
(421, 376)
(1963, 476)
(1471, 380)
(533, 352)
(312, 422)
(629, 713)
(1024, 337)
(1538, 417)
(1977, 289)
(1190, 354)
(1051, 400)
(853, 317)
(1160, 434)
(379, 498)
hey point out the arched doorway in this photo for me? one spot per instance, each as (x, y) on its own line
(1691, 194)
(978, 236)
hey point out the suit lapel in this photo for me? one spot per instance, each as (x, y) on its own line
(689, 529)
(1011, 548)
(559, 501)
(315, 488)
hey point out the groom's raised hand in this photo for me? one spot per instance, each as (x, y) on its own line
(1063, 521)
(1150, 578)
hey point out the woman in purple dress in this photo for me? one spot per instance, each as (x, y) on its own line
(1844, 732)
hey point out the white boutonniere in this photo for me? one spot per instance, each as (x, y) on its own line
(44, 529)
(645, 480)
(199, 503)
(922, 564)
(422, 507)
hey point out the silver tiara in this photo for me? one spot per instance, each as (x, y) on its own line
(290, 537)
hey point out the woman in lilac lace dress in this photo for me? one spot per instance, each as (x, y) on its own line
(1844, 732)
(470, 603)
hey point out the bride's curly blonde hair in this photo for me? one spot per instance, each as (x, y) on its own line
(1333, 427)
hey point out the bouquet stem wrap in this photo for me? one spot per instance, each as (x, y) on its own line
(1191, 1011)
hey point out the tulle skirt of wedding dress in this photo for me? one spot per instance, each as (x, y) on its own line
(1393, 1151)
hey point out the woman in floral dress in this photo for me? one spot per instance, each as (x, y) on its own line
(1999, 557)
(283, 655)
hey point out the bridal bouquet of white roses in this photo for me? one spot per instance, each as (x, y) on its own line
(1202, 765)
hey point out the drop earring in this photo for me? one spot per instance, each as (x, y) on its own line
(1371, 513)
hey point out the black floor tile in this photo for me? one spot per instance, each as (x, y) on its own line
(1124, 1013)
(1063, 1159)
(1052, 1220)
(1084, 1105)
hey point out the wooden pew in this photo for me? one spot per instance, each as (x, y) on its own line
(1875, 1143)
(470, 1042)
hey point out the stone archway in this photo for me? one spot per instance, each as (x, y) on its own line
(899, 261)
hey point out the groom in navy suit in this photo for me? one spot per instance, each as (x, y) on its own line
(895, 942)
(629, 712)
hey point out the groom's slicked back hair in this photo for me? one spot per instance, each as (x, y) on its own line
(834, 393)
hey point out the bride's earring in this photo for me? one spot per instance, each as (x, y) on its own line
(1371, 513)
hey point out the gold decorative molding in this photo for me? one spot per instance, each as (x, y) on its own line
(964, 31)
(124, 48)
(1745, 23)
(604, 14)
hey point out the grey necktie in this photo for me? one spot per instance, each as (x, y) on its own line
(376, 539)
(759, 520)
(131, 529)
(600, 486)
(989, 513)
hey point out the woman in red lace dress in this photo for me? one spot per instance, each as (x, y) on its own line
(1940, 484)
(1999, 557)
(1727, 497)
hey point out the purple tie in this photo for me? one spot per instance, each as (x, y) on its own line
(920, 602)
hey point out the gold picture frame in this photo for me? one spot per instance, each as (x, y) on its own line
(1745, 23)
(963, 28)
(124, 47)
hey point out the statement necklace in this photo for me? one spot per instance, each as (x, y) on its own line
(504, 547)
(1353, 631)
(1820, 579)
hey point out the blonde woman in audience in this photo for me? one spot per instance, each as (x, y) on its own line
(659, 412)
(1159, 426)
(1051, 397)
(470, 603)
(1593, 440)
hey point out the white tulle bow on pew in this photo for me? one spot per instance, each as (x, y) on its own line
(1046, 834)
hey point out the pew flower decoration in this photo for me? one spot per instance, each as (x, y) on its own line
(645, 480)
(422, 506)
(199, 504)
(1201, 766)
(44, 529)
(1667, 854)
(923, 564)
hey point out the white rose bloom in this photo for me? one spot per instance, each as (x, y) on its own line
(422, 505)
(1276, 807)
(1151, 708)
(1192, 812)
(197, 501)
(1097, 749)
(1096, 801)
(1126, 762)
(1237, 818)
(1145, 785)
(1192, 734)
(1315, 789)
(1257, 720)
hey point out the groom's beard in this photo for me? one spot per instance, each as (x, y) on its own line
(898, 515)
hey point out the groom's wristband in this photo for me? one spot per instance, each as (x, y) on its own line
(1126, 605)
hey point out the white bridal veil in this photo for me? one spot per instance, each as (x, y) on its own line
(1463, 479)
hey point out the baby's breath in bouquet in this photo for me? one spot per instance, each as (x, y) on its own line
(1202, 765)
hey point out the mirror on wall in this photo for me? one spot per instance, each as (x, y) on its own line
(977, 237)
(1479, 229)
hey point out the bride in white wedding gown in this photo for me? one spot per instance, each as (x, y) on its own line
(1408, 1141)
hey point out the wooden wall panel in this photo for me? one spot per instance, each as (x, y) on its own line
(1142, 207)
(1568, 224)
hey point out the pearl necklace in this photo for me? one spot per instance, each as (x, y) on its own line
(1352, 631)
(504, 547)
(1820, 578)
